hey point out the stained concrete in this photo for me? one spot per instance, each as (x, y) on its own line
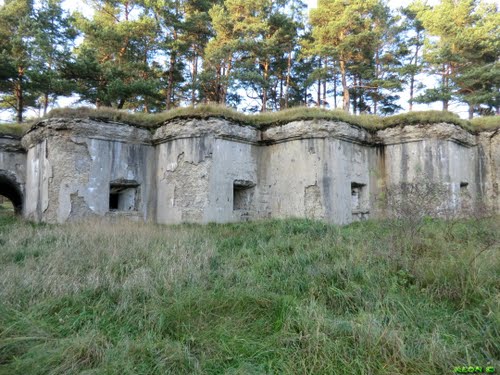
(215, 170)
(12, 170)
(71, 166)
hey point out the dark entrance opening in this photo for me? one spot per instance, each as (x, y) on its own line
(123, 195)
(11, 190)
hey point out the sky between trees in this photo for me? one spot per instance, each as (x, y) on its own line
(366, 56)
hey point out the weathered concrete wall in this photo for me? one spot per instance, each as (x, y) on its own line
(13, 158)
(73, 165)
(312, 167)
(442, 159)
(12, 170)
(489, 161)
(216, 170)
(198, 165)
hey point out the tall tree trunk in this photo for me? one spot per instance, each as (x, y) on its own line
(226, 71)
(377, 75)
(173, 58)
(471, 111)
(223, 86)
(281, 93)
(318, 93)
(445, 87)
(318, 99)
(45, 103)
(354, 95)
(412, 84)
(412, 76)
(264, 87)
(345, 95)
(19, 94)
(324, 83)
(218, 88)
(334, 86)
(194, 77)
(288, 72)
(170, 80)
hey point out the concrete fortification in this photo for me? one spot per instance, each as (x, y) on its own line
(214, 169)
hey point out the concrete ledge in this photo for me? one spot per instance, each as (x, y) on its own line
(113, 131)
(194, 128)
(414, 133)
(316, 129)
(9, 143)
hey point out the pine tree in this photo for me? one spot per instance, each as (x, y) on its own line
(345, 32)
(478, 79)
(113, 64)
(413, 41)
(464, 48)
(53, 39)
(17, 26)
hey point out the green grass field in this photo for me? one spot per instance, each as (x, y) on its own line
(269, 297)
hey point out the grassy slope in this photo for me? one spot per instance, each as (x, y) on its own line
(267, 119)
(282, 297)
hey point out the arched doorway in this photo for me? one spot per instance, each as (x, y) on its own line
(11, 190)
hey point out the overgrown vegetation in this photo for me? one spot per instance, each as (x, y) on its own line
(267, 119)
(486, 123)
(280, 296)
(15, 129)
(261, 120)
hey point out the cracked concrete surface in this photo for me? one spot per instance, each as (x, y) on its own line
(214, 170)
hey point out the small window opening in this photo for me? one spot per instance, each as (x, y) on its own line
(113, 201)
(464, 195)
(464, 190)
(123, 195)
(243, 192)
(357, 198)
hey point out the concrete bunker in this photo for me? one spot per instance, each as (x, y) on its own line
(203, 170)
(10, 189)
(123, 195)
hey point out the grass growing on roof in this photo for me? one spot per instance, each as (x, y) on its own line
(109, 114)
(212, 110)
(487, 123)
(279, 296)
(425, 117)
(16, 130)
(267, 119)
